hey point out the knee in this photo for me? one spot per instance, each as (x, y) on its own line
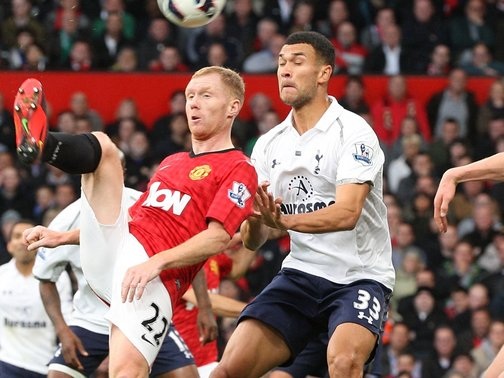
(346, 363)
(219, 372)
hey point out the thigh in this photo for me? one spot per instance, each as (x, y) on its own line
(288, 306)
(104, 187)
(357, 309)
(145, 321)
(97, 346)
(253, 349)
(100, 247)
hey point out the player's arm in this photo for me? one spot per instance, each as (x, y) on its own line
(71, 344)
(40, 236)
(207, 325)
(490, 168)
(340, 216)
(221, 305)
(496, 368)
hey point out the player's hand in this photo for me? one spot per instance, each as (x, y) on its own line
(444, 195)
(137, 277)
(40, 236)
(71, 346)
(207, 325)
(267, 208)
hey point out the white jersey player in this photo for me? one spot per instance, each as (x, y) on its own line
(27, 336)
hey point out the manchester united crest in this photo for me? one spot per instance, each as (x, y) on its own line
(199, 173)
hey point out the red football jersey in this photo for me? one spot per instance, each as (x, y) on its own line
(183, 195)
(185, 316)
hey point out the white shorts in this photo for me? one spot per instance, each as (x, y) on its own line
(107, 251)
(205, 370)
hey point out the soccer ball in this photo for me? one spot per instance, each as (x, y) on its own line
(191, 13)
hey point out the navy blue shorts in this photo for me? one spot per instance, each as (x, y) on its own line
(311, 361)
(11, 371)
(300, 306)
(174, 352)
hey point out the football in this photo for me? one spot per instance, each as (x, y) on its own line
(191, 13)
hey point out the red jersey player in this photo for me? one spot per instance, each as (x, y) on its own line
(193, 205)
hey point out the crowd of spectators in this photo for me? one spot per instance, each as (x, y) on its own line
(447, 313)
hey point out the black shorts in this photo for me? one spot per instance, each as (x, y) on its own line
(174, 353)
(300, 306)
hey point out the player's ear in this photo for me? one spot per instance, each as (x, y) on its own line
(234, 108)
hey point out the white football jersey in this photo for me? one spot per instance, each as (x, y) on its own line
(89, 310)
(27, 335)
(305, 171)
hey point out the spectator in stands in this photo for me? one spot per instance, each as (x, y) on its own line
(455, 101)
(36, 59)
(371, 35)
(426, 316)
(7, 137)
(494, 282)
(350, 54)
(461, 270)
(267, 28)
(44, 200)
(81, 57)
(440, 61)
(15, 193)
(66, 9)
(138, 161)
(400, 167)
(79, 105)
(481, 227)
(269, 120)
(242, 23)
(62, 40)
(169, 60)
(482, 63)
(21, 18)
(176, 104)
(389, 57)
(176, 137)
(421, 32)
(389, 111)
(215, 31)
(463, 367)
(17, 53)
(438, 149)
(492, 107)
(303, 17)
(400, 342)
(66, 122)
(486, 144)
(485, 353)
(127, 109)
(353, 96)
(441, 359)
(477, 332)
(158, 37)
(337, 12)
(265, 60)
(114, 6)
(458, 310)
(421, 166)
(281, 12)
(469, 29)
(107, 44)
(405, 242)
(126, 60)
(409, 126)
(259, 103)
(217, 55)
(412, 263)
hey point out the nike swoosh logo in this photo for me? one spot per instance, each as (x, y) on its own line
(24, 121)
(145, 339)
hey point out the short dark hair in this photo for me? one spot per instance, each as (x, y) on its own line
(322, 46)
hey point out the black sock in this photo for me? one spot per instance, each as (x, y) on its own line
(72, 153)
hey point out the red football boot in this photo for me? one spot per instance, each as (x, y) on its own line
(30, 120)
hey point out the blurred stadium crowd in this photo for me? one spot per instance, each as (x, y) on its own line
(447, 314)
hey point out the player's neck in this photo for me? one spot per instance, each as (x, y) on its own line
(25, 269)
(211, 145)
(306, 117)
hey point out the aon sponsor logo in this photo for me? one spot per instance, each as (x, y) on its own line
(166, 199)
